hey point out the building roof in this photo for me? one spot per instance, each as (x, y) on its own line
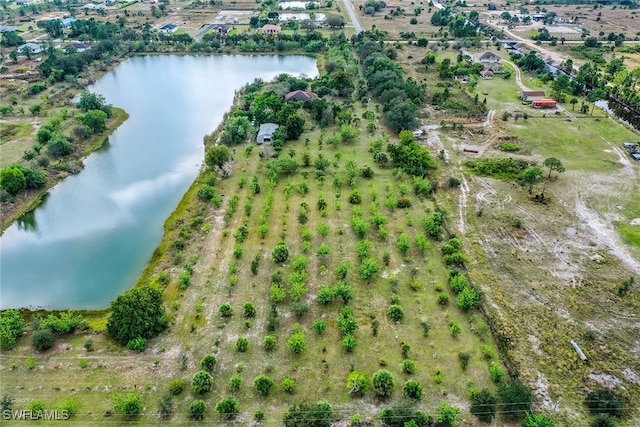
(221, 27)
(168, 27)
(300, 95)
(271, 28)
(7, 29)
(489, 56)
(68, 21)
(35, 48)
(267, 128)
(533, 93)
(79, 46)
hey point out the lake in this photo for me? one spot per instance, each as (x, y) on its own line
(91, 238)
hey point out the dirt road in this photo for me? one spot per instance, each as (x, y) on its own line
(518, 75)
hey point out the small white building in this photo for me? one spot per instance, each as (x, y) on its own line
(265, 133)
(35, 47)
(169, 28)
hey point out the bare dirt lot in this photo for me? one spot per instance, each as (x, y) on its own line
(552, 273)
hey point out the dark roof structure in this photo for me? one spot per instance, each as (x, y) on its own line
(300, 95)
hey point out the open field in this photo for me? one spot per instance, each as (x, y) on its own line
(584, 258)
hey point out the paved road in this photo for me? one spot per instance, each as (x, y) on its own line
(352, 15)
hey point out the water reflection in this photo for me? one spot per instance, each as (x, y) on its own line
(27, 221)
(93, 236)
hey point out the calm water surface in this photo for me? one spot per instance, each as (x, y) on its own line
(93, 236)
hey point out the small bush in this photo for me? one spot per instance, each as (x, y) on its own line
(197, 410)
(447, 415)
(226, 310)
(129, 405)
(395, 312)
(206, 192)
(383, 383)
(509, 147)
(269, 343)
(165, 406)
(297, 342)
(288, 385)
(413, 390)
(458, 282)
(249, 310)
(208, 363)
(235, 382)
(177, 386)
(29, 362)
(464, 359)
(454, 329)
(325, 295)
(70, 405)
(300, 309)
(280, 253)
(228, 408)
(319, 326)
(468, 299)
(263, 384)
(408, 366)
(42, 339)
(357, 383)
(202, 382)
(443, 299)
(355, 198)
(242, 344)
(496, 372)
(348, 343)
(404, 203)
(426, 327)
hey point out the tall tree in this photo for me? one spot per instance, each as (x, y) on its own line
(12, 180)
(138, 312)
(531, 176)
(217, 156)
(554, 165)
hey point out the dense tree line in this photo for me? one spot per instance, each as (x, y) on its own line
(400, 98)
(458, 25)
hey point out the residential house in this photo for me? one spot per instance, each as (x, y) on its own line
(91, 6)
(169, 28)
(221, 29)
(300, 95)
(78, 47)
(532, 95)
(486, 74)
(490, 61)
(7, 29)
(265, 133)
(271, 30)
(35, 47)
(66, 22)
